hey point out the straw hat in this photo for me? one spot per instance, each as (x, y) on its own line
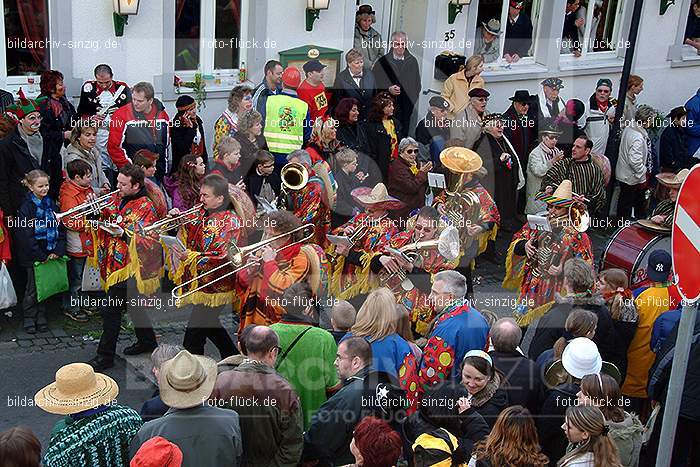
(77, 388)
(187, 380)
(562, 197)
(377, 197)
(461, 160)
(672, 180)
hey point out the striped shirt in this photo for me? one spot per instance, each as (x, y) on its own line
(586, 179)
(665, 208)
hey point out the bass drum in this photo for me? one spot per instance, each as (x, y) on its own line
(629, 249)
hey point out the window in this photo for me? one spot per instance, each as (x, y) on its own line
(208, 36)
(691, 36)
(27, 50)
(591, 26)
(518, 28)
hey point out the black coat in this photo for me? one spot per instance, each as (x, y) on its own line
(494, 406)
(181, 138)
(345, 87)
(522, 133)
(24, 241)
(379, 144)
(518, 36)
(15, 163)
(500, 181)
(254, 181)
(524, 382)
(52, 128)
(552, 325)
(345, 204)
(6, 100)
(551, 417)
(405, 73)
(673, 150)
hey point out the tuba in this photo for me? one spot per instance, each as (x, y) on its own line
(294, 177)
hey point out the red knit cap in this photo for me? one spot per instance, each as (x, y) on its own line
(157, 452)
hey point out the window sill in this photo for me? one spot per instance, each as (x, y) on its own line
(688, 57)
(520, 71)
(591, 65)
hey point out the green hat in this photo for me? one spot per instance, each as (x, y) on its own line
(24, 106)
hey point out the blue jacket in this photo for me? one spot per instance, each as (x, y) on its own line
(153, 408)
(693, 130)
(663, 326)
(33, 250)
(388, 353)
(260, 95)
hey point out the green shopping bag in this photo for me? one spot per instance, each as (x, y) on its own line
(50, 277)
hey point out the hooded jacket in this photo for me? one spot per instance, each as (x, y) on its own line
(627, 436)
(73, 152)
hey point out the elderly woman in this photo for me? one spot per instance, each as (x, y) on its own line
(82, 146)
(366, 39)
(250, 137)
(457, 86)
(504, 175)
(356, 83)
(344, 167)
(323, 142)
(240, 100)
(541, 159)
(631, 170)
(407, 180)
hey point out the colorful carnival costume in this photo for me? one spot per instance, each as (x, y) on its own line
(351, 274)
(131, 255)
(308, 205)
(531, 275)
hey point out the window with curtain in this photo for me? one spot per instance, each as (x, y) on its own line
(518, 28)
(591, 26)
(691, 36)
(207, 35)
(26, 25)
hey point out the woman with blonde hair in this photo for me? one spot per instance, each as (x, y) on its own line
(323, 143)
(586, 428)
(378, 323)
(457, 86)
(513, 442)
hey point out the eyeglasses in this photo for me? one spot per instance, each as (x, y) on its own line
(482, 99)
(551, 136)
(603, 91)
(420, 228)
(411, 151)
(268, 166)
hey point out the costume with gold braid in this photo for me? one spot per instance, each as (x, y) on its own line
(133, 255)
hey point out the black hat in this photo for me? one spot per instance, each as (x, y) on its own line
(365, 10)
(659, 265)
(522, 96)
(678, 112)
(313, 65)
(440, 102)
(184, 102)
(479, 92)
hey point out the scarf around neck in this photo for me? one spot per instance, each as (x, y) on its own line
(35, 143)
(483, 396)
(46, 225)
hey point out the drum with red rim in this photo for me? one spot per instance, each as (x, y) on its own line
(629, 249)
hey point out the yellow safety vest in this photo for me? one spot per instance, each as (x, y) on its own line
(284, 123)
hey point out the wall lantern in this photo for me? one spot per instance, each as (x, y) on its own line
(455, 8)
(665, 4)
(123, 8)
(313, 10)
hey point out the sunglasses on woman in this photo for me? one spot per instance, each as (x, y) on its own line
(411, 151)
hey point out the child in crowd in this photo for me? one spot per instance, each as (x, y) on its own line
(343, 316)
(263, 181)
(154, 407)
(75, 190)
(146, 161)
(228, 165)
(183, 186)
(40, 236)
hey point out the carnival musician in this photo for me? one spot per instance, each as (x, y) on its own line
(394, 269)
(468, 206)
(367, 233)
(279, 264)
(663, 212)
(127, 257)
(207, 235)
(535, 258)
(308, 201)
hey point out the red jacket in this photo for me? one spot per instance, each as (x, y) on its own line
(129, 132)
(5, 251)
(70, 196)
(317, 98)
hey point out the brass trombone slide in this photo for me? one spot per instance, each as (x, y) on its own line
(170, 223)
(93, 206)
(238, 259)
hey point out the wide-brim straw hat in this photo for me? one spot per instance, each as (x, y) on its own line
(461, 160)
(673, 180)
(187, 380)
(377, 197)
(562, 197)
(77, 388)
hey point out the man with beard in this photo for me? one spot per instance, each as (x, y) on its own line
(410, 280)
(468, 126)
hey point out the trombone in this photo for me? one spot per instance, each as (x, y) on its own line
(89, 207)
(171, 223)
(238, 258)
(294, 177)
